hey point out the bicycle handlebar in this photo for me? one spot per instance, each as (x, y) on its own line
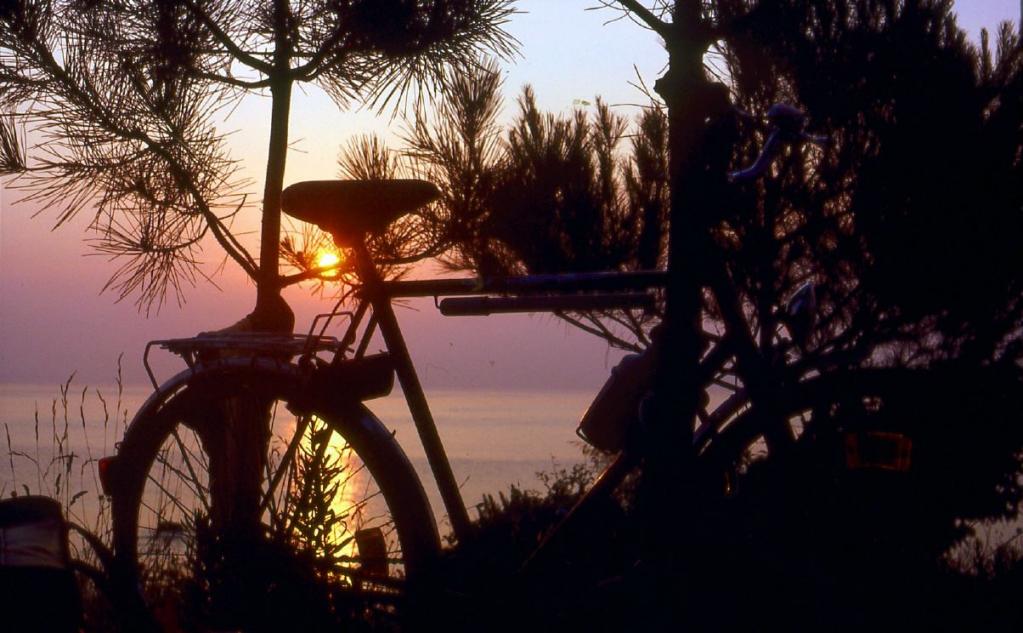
(787, 123)
(530, 284)
(484, 306)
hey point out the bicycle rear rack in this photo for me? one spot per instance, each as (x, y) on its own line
(196, 349)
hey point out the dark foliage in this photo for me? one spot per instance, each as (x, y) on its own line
(580, 582)
(907, 223)
(549, 194)
(915, 215)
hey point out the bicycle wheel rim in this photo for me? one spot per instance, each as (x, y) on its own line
(340, 530)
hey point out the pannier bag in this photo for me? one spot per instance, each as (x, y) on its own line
(606, 423)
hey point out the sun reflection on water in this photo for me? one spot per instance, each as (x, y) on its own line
(334, 491)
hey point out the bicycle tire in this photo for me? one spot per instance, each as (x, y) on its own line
(149, 512)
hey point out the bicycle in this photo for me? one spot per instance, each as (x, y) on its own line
(390, 536)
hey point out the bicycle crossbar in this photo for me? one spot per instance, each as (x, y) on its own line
(530, 284)
(483, 306)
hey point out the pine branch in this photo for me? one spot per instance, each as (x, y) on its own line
(657, 25)
(236, 51)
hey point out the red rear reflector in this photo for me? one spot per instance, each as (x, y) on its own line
(106, 465)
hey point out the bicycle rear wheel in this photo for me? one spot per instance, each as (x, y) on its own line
(331, 526)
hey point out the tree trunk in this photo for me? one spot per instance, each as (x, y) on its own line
(236, 430)
(668, 496)
(271, 312)
(241, 430)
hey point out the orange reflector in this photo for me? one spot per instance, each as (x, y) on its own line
(878, 450)
(372, 552)
(106, 465)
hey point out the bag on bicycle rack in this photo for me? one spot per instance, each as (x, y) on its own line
(355, 379)
(606, 422)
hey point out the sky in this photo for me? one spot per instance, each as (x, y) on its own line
(55, 319)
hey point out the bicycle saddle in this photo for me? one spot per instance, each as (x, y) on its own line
(350, 209)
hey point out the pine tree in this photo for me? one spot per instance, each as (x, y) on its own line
(123, 98)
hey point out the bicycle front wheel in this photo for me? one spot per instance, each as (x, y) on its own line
(247, 498)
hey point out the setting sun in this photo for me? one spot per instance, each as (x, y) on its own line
(328, 259)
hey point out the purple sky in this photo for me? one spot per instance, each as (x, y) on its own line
(54, 320)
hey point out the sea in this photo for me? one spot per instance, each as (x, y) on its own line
(494, 439)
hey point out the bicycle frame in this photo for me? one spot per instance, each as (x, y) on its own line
(580, 292)
(532, 293)
(529, 293)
